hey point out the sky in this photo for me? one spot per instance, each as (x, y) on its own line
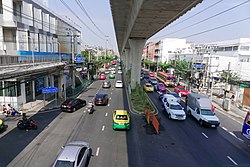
(212, 20)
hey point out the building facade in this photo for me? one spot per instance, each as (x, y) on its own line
(35, 46)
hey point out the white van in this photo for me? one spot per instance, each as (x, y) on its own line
(200, 107)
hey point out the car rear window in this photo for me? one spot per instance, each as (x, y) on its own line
(60, 163)
(121, 117)
(99, 95)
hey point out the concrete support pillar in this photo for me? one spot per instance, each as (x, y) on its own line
(33, 90)
(52, 81)
(127, 59)
(46, 81)
(136, 46)
(23, 92)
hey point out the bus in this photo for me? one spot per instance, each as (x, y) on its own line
(246, 126)
(166, 78)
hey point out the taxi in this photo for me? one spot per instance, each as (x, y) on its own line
(111, 76)
(121, 119)
(148, 87)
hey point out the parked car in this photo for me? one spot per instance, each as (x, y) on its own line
(121, 119)
(148, 87)
(181, 90)
(160, 87)
(118, 84)
(153, 81)
(101, 99)
(176, 95)
(106, 84)
(75, 154)
(102, 77)
(73, 104)
(174, 110)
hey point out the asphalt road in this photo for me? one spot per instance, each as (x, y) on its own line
(180, 143)
(190, 144)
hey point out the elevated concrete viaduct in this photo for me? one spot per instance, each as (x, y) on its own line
(137, 20)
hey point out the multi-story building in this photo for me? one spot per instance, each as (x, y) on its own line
(32, 35)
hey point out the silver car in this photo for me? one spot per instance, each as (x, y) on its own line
(74, 154)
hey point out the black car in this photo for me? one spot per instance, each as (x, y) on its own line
(73, 104)
(106, 84)
(101, 99)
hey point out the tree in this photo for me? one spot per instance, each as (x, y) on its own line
(233, 78)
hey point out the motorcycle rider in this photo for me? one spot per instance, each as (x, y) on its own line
(26, 122)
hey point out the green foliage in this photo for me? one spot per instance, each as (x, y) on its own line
(233, 78)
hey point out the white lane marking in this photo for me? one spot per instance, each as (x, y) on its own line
(110, 98)
(108, 105)
(84, 111)
(103, 127)
(106, 114)
(111, 93)
(232, 160)
(204, 135)
(224, 128)
(232, 134)
(97, 151)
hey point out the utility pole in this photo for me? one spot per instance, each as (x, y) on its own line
(88, 63)
(209, 73)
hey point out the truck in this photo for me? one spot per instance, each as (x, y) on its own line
(200, 107)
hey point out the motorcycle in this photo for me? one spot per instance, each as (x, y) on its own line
(3, 127)
(31, 125)
(90, 108)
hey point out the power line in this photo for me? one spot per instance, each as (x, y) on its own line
(216, 3)
(65, 4)
(84, 10)
(206, 19)
(219, 27)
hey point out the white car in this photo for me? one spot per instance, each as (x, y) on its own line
(119, 72)
(167, 97)
(118, 84)
(174, 110)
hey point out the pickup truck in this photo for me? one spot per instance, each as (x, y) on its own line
(200, 107)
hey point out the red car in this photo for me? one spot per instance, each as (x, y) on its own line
(151, 74)
(102, 77)
(181, 90)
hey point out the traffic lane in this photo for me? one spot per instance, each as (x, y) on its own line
(16, 140)
(201, 133)
(43, 150)
(109, 147)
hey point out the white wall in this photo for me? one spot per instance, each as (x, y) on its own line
(243, 69)
(42, 43)
(27, 14)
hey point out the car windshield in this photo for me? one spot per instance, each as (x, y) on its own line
(175, 95)
(118, 81)
(153, 79)
(182, 88)
(206, 112)
(60, 163)
(149, 86)
(175, 107)
(121, 117)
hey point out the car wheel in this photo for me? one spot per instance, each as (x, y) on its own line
(201, 122)
(169, 116)
(74, 109)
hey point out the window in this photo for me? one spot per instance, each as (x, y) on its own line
(1, 7)
(228, 48)
(244, 48)
(79, 158)
(235, 48)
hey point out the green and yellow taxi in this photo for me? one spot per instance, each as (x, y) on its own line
(148, 87)
(121, 119)
(111, 76)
